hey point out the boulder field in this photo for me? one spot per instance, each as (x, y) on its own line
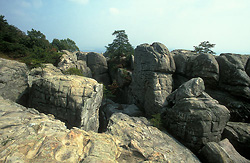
(200, 103)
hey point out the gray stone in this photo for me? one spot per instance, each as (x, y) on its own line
(152, 77)
(29, 136)
(99, 68)
(222, 152)
(13, 80)
(73, 99)
(193, 116)
(238, 134)
(233, 77)
(142, 142)
(124, 77)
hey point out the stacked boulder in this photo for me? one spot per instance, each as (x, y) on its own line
(152, 77)
(193, 116)
(73, 99)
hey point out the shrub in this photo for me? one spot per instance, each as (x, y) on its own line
(156, 121)
(73, 71)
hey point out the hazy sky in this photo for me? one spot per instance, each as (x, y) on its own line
(179, 24)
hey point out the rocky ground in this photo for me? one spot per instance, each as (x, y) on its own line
(202, 104)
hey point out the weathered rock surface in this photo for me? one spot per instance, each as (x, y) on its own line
(222, 152)
(247, 68)
(29, 136)
(233, 77)
(142, 142)
(239, 135)
(189, 65)
(73, 99)
(98, 65)
(193, 116)
(152, 77)
(13, 80)
(109, 107)
(70, 60)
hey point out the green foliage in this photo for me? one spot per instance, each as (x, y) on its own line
(65, 44)
(107, 93)
(73, 71)
(204, 47)
(33, 49)
(120, 46)
(156, 121)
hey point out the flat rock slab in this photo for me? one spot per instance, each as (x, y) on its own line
(29, 136)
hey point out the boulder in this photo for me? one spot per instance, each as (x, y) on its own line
(70, 60)
(221, 152)
(233, 77)
(99, 68)
(30, 136)
(142, 142)
(13, 80)
(73, 99)
(238, 134)
(152, 77)
(193, 116)
(109, 107)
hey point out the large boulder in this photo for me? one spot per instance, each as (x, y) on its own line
(222, 152)
(70, 60)
(99, 68)
(30, 136)
(152, 77)
(233, 77)
(239, 135)
(13, 80)
(189, 65)
(193, 116)
(142, 142)
(73, 99)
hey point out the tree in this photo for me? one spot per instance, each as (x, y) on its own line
(65, 44)
(204, 47)
(120, 46)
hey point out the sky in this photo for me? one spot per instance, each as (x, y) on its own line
(178, 24)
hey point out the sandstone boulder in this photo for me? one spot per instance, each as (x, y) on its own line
(13, 80)
(152, 77)
(193, 116)
(239, 135)
(142, 142)
(233, 77)
(70, 60)
(99, 68)
(222, 152)
(73, 99)
(30, 136)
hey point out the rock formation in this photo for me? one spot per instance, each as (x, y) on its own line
(13, 80)
(238, 134)
(221, 152)
(73, 99)
(152, 77)
(193, 116)
(30, 136)
(142, 142)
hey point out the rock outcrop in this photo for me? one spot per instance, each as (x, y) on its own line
(233, 77)
(193, 116)
(221, 152)
(99, 68)
(239, 135)
(152, 77)
(73, 99)
(142, 142)
(30, 136)
(70, 60)
(13, 80)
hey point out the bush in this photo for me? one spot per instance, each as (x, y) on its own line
(156, 121)
(73, 71)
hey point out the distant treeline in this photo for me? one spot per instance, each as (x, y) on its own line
(32, 48)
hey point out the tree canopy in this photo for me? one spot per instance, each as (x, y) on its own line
(65, 44)
(204, 47)
(120, 45)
